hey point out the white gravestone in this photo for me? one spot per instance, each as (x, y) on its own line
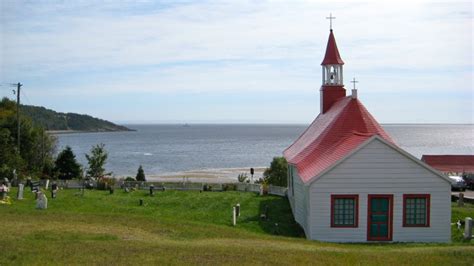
(21, 188)
(261, 190)
(468, 228)
(47, 184)
(234, 216)
(42, 201)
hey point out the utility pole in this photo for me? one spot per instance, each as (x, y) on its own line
(18, 87)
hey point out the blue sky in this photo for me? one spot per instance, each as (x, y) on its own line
(237, 61)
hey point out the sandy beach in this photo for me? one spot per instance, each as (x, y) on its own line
(220, 175)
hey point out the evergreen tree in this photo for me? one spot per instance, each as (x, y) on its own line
(277, 173)
(140, 174)
(66, 165)
(96, 161)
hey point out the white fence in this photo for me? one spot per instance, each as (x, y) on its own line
(272, 190)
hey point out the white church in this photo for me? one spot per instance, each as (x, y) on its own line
(349, 182)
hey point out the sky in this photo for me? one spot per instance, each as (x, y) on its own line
(237, 61)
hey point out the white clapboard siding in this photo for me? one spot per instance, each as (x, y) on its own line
(379, 169)
(299, 201)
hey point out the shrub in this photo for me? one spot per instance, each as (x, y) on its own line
(277, 173)
(229, 187)
(129, 179)
(104, 183)
(242, 177)
(140, 174)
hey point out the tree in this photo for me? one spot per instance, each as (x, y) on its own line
(277, 173)
(37, 147)
(140, 174)
(66, 165)
(96, 161)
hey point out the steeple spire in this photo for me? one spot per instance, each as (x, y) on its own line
(332, 75)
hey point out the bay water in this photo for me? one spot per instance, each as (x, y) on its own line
(167, 149)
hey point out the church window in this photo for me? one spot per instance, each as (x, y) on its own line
(344, 210)
(416, 210)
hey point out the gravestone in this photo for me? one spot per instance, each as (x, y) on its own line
(140, 202)
(41, 201)
(54, 190)
(47, 184)
(152, 190)
(21, 188)
(234, 216)
(461, 200)
(237, 208)
(4, 191)
(261, 190)
(468, 228)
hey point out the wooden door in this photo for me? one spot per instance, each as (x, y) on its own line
(379, 218)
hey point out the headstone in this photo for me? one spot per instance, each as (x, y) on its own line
(468, 228)
(234, 216)
(41, 201)
(21, 188)
(461, 200)
(127, 189)
(261, 190)
(141, 202)
(152, 190)
(4, 191)
(237, 208)
(47, 184)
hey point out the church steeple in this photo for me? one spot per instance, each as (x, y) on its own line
(332, 76)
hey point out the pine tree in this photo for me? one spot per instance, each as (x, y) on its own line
(140, 174)
(66, 165)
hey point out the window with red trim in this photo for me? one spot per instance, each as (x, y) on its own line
(344, 210)
(416, 210)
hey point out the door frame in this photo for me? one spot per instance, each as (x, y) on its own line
(390, 216)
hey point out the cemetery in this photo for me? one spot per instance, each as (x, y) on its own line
(152, 223)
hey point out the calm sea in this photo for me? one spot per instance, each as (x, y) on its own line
(164, 149)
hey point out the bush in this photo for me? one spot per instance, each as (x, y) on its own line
(242, 177)
(140, 174)
(129, 179)
(104, 183)
(229, 187)
(277, 174)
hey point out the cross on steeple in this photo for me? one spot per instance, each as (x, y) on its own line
(330, 20)
(354, 81)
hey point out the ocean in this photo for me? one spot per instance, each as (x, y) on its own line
(168, 149)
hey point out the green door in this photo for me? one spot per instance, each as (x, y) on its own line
(379, 223)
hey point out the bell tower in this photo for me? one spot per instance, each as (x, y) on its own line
(332, 76)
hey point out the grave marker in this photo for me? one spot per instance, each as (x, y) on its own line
(237, 208)
(461, 200)
(42, 201)
(234, 216)
(468, 228)
(21, 188)
(47, 184)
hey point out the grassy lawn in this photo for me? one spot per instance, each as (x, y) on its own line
(176, 227)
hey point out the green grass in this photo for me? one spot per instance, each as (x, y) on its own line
(176, 227)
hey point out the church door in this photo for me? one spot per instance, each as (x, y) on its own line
(379, 218)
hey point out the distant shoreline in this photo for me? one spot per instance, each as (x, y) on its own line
(60, 132)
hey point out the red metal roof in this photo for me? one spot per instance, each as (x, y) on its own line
(332, 56)
(331, 136)
(450, 163)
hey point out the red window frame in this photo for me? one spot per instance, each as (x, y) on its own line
(355, 197)
(427, 198)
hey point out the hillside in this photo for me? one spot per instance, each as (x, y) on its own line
(55, 121)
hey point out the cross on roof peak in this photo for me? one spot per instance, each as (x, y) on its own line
(330, 20)
(354, 81)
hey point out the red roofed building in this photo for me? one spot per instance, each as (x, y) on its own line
(459, 164)
(349, 182)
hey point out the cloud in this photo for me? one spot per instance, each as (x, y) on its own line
(72, 48)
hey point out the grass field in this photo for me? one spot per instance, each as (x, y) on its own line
(175, 227)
